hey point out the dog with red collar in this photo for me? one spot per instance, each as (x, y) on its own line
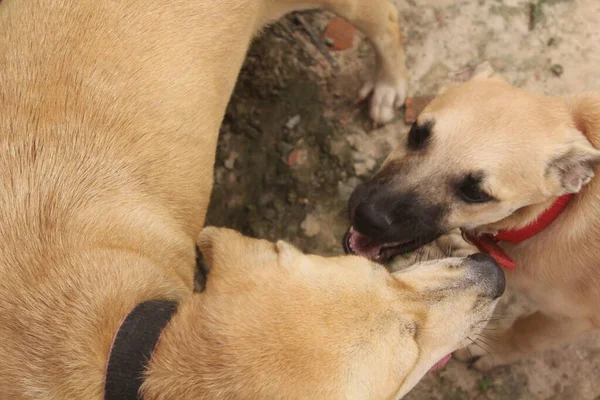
(514, 171)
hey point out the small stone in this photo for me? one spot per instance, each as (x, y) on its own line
(219, 175)
(232, 179)
(329, 42)
(337, 148)
(269, 214)
(345, 189)
(292, 157)
(293, 122)
(297, 157)
(279, 205)
(311, 226)
(292, 197)
(537, 75)
(364, 167)
(265, 199)
(557, 69)
(230, 162)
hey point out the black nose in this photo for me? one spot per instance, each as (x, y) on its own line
(368, 221)
(489, 273)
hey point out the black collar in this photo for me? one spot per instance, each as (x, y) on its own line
(133, 347)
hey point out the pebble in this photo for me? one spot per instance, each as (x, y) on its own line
(364, 167)
(311, 226)
(230, 162)
(338, 148)
(292, 197)
(345, 189)
(293, 122)
(557, 69)
(297, 157)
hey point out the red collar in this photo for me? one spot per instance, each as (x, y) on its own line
(488, 243)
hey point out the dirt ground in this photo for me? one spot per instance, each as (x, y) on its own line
(294, 143)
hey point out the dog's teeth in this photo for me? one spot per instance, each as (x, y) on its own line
(350, 247)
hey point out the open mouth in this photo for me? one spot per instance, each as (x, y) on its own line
(382, 252)
(438, 365)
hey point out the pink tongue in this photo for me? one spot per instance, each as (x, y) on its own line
(364, 246)
(440, 363)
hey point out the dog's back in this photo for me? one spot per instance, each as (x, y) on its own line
(108, 130)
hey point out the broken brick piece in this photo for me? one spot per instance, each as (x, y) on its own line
(340, 33)
(414, 105)
(292, 157)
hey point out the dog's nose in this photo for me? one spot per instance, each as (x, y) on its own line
(368, 221)
(488, 273)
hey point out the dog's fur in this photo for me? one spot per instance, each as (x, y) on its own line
(524, 151)
(108, 128)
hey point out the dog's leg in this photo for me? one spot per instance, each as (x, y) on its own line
(527, 335)
(378, 20)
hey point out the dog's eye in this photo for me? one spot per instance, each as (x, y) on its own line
(419, 135)
(470, 191)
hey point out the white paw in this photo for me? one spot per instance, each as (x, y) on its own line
(385, 100)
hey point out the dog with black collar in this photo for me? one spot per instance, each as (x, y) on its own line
(108, 129)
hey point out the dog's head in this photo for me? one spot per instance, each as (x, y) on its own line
(291, 325)
(482, 156)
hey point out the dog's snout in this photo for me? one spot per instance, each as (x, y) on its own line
(488, 273)
(482, 258)
(365, 216)
(368, 221)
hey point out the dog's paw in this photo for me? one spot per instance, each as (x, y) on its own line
(386, 98)
(478, 358)
(464, 355)
(484, 363)
(453, 244)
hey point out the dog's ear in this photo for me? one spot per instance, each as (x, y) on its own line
(218, 245)
(486, 71)
(574, 168)
(288, 254)
(206, 242)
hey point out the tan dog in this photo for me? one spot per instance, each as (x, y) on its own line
(493, 159)
(108, 129)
